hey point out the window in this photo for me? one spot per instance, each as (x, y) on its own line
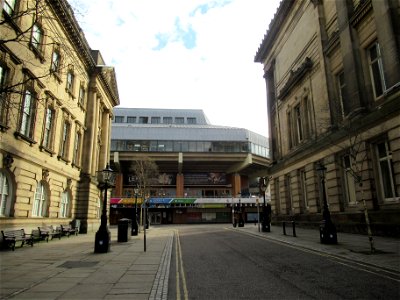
(27, 115)
(298, 124)
(167, 120)
(155, 120)
(65, 204)
(55, 61)
(288, 194)
(5, 201)
(131, 120)
(37, 37)
(70, 82)
(349, 180)
(65, 141)
(81, 97)
(143, 120)
(376, 70)
(48, 129)
(9, 7)
(119, 119)
(179, 120)
(191, 120)
(3, 95)
(77, 149)
(303, 182)
(386, 173)
(344, 104)
(40, 202)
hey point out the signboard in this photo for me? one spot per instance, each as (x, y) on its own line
(205, 178)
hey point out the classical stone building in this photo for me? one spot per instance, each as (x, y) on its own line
(332, 71)
(56, 105)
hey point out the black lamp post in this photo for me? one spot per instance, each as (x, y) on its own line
(134, 228)
(265, 225)
(106, 180)
(327, 230)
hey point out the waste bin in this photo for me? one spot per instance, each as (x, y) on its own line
(123, 225)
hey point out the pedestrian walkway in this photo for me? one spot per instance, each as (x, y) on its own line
(69, 268)
(353, 247)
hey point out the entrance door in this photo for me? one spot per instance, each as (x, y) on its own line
(155, 218)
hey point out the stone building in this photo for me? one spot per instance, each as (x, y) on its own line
(56, 102)
(332, 72)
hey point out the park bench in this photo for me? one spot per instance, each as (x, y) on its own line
(68, 230)
(10, 237)
(47, 232)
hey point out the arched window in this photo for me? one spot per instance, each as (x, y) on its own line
(40, 203)
(5, 199)
(65, 204)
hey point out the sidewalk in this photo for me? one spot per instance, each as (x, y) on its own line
(69, 268)
(353, 247)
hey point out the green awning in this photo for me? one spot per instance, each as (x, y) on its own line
(183, 200)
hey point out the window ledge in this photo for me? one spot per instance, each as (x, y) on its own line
(48, 150)
(19, 135)
(63, 159)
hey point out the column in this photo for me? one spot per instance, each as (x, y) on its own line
(179, 184)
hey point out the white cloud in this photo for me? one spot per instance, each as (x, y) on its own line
(217, 74)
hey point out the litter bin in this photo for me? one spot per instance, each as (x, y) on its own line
(123, 225)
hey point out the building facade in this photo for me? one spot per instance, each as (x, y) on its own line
(202, 168)
(332, 71)
(56, 104)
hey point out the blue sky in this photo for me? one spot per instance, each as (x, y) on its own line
(184, 54)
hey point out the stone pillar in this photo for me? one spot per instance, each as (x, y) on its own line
(105, 137)
(119, 183)
(90, 138)
(236, 184)
(179, 184)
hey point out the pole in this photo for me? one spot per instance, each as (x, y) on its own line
(144, 227)
(258, 215)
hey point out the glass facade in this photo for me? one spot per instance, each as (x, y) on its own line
(188, 146)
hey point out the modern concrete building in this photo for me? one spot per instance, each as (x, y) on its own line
(203, 168)
(56, 101)
(332, 71)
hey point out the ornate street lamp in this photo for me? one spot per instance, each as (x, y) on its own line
(106, 180)
(265, 224)
(327, 230)
(134, 228)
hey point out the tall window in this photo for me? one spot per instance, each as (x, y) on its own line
(143, 120)
(344, 103)
(55, 61)
(37, 36)
(376, 70)
(349, 180)
(40, 202)
(303, 183)
(48, 129)
(3, 106)
(298, 124)
(77, 149)
(65, 204)
(288, 190)
(277, 196)
(9, 6)
(179, 120)
(81, 97)
(191, 120)
(386, 174)
(28, 114)
(65, 140)
(70, 82)
(4, 196)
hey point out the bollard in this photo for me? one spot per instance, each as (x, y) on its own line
(294, 228)
(284, 228)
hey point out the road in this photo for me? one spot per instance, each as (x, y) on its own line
(219, 262)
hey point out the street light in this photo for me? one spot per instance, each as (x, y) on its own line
(327, 230)
(106, 180)
(265, 225)
(134, 228)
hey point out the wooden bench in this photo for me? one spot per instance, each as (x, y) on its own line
(47, 232)
(10, 237)
(68, 230)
